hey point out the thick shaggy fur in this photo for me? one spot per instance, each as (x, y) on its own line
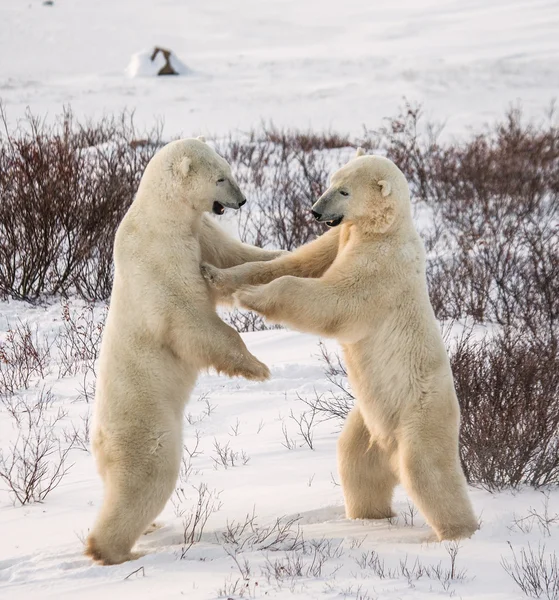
(364, 284)
(162, 329)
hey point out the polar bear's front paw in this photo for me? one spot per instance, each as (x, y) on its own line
(211, 274)
(218, 280)
(249, 297)
(254, 370)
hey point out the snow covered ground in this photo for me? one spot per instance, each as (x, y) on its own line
(301, 63)
(41, 548)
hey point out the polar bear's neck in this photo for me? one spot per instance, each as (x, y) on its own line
(166, 216)
(402, 228)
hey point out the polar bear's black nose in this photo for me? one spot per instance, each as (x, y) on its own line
(243, 202)
(315, 214)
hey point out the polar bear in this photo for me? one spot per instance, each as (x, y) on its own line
(161, 330)
(364, 284)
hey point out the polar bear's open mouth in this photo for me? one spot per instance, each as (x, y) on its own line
(335, 222)
(218, 208)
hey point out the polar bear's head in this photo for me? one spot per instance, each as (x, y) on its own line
(191, 172)
(368, 189)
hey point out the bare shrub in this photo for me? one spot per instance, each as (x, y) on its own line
(208, 410)
(337, 403)
(79, 341)
(357, 593)
(309, 561)
(24, 356)
(242, 536)
(408, 515)
(22, 407)
(235, 587)
(64, 189)
(288, 442)
(80, 437)
(321, 551)
(306, 421)
(193, 451)
(226, 457)
(180, 497)
(371, 561)
(330, 405)
(37, 461)
(235, 429)
(446, 576)
(454, 573)
(196, 517)
(208, 406)
(301, 558)
(138, 571)
(289, 567)
(86, 389)
(246, 320)
(508, 388)
(543, 519)
(356, 542)
(305, 141)
(534, 572)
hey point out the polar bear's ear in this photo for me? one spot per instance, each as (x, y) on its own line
(385, 187)
(359, 152)
(184, 166)
(201, 138)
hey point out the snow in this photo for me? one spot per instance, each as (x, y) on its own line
(315, 63)
(301, 64)
(41, 552)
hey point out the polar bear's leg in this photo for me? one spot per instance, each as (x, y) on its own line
(138, 483)
(367, 479)
(432, 476)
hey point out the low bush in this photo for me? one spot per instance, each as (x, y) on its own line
(64, 188)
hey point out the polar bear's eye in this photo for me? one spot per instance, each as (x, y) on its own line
(222, 180)
(344, 193)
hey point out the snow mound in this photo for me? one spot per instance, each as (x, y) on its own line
(154, 62)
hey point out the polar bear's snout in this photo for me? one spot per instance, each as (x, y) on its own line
(228, 195)
(219, 207)
(327, 210)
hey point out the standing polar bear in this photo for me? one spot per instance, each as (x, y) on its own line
(161, 330)
(364, 284)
